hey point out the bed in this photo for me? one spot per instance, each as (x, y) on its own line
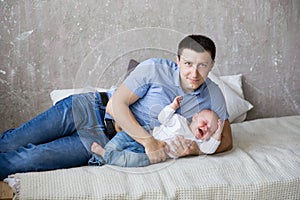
(263, 164)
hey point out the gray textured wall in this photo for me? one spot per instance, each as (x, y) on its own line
(46, 45)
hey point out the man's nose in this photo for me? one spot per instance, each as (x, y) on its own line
(194, 71)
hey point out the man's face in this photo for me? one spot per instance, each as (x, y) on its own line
(194, 68)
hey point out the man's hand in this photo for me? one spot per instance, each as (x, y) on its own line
(184, 147)
(156, 150)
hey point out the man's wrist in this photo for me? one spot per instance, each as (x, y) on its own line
(147, 141)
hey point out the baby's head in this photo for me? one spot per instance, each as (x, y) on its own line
(204, 124)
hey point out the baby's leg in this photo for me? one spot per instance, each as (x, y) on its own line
(97, 149)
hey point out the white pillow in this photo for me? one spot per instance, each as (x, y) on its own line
(57, 95)
(231, 87)
(235, 82)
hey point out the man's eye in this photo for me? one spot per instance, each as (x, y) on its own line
(202, 65)
(188, 63)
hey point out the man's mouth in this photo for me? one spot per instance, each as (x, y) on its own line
(194, 80)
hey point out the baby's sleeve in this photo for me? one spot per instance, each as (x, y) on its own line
(209, 146)
(165, 116)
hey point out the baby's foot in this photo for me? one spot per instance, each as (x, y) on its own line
(97, 149)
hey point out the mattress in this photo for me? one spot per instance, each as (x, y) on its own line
(263, 164)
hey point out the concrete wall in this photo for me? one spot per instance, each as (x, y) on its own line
(46, 45)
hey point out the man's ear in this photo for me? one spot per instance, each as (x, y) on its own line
(212, 65)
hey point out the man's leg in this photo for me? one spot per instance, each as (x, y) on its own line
(54, 123)
(82, 112)
(42, 143)
(61, 153)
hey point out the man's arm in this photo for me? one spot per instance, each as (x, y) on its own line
(226, 138)
(118, 108)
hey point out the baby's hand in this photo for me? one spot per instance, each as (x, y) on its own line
(176, 102)
(218, 133)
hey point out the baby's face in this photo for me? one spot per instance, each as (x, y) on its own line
(204, 124)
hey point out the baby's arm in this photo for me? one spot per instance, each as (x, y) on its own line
(209, 146)
(166, 114)
(176, 103)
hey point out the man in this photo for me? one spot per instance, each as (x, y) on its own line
(153, 85)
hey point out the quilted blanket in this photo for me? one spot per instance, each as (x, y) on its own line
(264, 164)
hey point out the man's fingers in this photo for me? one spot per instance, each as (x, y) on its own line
(157, 156)
(180, 146)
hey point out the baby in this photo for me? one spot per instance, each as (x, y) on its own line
(205, 129)
(204, 125)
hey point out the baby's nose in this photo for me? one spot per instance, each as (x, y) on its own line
(204, 128)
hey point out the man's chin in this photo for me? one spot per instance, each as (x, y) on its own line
(194, 87)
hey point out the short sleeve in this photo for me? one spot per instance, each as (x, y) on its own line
(137, 82)
(217, 100)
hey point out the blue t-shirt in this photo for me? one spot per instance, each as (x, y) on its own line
(157, 83)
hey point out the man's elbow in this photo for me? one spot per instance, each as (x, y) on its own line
(227, 139)
(229, 147)
(225, 146)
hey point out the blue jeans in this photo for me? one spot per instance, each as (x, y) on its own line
(122, 151)
(60, 137)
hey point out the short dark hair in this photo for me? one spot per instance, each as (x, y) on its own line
(198, 43)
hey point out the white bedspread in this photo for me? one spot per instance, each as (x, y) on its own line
(264, 164)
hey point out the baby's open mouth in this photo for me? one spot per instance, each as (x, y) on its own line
(200, 133)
